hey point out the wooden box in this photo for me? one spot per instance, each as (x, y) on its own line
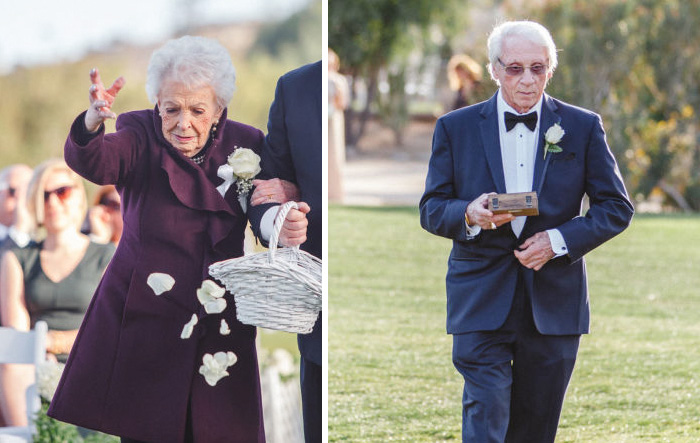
(518, 203)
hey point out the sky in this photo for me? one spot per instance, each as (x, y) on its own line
(46, 31)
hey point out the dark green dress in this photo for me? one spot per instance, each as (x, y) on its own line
(62, 304)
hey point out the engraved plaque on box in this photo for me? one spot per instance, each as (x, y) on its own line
(518, 203)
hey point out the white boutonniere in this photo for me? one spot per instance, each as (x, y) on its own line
(553, 136)
(241, 167)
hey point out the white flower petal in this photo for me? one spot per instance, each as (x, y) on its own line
(189, 327)
(160, 282)
(209, 291)
(215, 306)
(224, 329)
(214, 366)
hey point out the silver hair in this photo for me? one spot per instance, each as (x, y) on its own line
(194, 61)
(532, 31)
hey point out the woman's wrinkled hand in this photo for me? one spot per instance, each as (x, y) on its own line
(293, 232)
(274, 191)
(101, 101)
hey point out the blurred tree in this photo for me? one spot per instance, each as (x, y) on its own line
(298, 34)
(634, 61)
(367, 34)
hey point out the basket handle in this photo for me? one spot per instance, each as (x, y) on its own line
(279, 221)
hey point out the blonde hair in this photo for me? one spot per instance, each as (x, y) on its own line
(467, 63)
(35, 192)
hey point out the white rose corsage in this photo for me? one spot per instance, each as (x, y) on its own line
(553, 136)
(242, 166)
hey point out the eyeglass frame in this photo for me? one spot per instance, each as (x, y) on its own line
(110, 203)
(507, 67)
(63, 193)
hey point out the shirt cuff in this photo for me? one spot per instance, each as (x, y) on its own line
(472, 231)
(557, 242)
(267, 223)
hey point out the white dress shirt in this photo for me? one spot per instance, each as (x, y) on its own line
(267, 222)
(518, 151)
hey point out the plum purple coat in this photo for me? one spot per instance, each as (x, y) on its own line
(129, 373)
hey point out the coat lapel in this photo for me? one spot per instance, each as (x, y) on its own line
(492, 143)
(549, 118)
(189, 182)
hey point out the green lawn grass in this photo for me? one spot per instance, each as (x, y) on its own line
(637, 378)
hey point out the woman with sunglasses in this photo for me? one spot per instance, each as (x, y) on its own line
(51, 279)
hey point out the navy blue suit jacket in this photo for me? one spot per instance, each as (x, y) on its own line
(292, 152)
(482, 270)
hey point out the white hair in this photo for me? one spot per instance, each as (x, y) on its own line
(195, 62)
(531, 31)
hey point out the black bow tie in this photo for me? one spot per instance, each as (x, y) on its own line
(530, 120)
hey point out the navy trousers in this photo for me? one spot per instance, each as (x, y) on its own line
(514, 379)
(311, 398)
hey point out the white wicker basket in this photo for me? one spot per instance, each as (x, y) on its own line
(278, 289)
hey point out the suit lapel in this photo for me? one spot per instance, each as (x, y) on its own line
(549, 118)
(492, 143)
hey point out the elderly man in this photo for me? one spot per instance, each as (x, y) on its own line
(13, 187)
(293, 152)
(517, 299)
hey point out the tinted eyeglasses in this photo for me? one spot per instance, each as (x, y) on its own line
(62, 193)
(110, 204)
(517, 70)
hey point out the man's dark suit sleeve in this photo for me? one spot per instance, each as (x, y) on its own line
(441, 212)
(610, 208)
(276, 160)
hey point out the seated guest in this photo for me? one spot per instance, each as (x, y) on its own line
(104, 218)
(13, 186)
(51, 280)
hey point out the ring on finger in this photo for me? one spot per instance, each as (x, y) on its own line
(493, 225)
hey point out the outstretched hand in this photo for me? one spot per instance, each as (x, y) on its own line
(101, 101)
(293, 232)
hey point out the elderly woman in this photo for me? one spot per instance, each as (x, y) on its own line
(160, 356)
(50, 280)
